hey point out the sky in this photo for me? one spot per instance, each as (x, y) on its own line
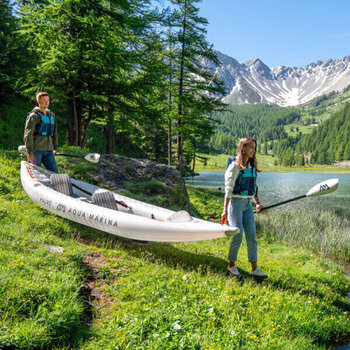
(279, 32)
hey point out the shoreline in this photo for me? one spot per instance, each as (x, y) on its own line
(337, 170)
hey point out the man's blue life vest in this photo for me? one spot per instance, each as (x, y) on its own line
(245, 184)
(46, 125)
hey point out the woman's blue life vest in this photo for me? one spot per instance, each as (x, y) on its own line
(46, 125)
(245, 184)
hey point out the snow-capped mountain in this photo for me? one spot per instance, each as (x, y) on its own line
(255, 82)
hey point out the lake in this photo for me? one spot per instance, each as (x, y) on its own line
(276, 187)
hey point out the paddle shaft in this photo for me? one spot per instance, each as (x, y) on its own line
(70, 155)
(284, 202)
(90, 194)
(91, 157)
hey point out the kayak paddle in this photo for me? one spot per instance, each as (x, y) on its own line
(320, 189)
(90, 157)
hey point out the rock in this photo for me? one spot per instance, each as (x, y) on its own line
(344, 164)
(115, 170)
(54, 249)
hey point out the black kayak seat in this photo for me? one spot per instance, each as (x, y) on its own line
(62, 183)
(104, 198)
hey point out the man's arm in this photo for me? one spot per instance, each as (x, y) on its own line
(55, 135)
(29, 136)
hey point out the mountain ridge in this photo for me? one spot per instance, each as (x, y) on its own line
(254, 82)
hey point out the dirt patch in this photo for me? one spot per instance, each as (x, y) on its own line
(94, 260)
(96, 282)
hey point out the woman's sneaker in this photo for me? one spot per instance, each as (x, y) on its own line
(258, 274)
(233, 269)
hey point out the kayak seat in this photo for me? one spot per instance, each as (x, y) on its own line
(104, 199)
(62, 183)
(180, 216)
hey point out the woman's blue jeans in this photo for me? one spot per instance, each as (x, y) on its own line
(47, 158)
(240, 214)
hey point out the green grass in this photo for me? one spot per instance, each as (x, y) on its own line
(40, 302)
(179, 296)
(162, 295)
(323, 232)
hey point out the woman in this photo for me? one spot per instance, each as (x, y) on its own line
(240, 188)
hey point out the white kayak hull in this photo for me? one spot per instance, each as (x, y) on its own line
(140, 221)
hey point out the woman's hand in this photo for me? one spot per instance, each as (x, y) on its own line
(259, 208)
(224, 217)
(224, 214)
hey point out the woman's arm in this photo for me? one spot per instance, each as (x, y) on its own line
(230, 178)
(224, 213)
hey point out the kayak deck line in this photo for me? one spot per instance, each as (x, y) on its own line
(30, 174)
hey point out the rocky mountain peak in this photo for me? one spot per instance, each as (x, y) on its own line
(255, 82)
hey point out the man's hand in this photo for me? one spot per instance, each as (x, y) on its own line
(30, 158)
(54, 152)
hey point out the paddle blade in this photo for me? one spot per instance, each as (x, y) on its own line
(92, 157)
(22, 149)
(322, 188)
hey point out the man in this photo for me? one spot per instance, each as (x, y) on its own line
(40, 134)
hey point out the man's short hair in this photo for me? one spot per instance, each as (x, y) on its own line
(41, 94)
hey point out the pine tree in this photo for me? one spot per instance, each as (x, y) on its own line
(347, 152)
(196, 86)
(90, 72)
(265, 147)
(13, 55)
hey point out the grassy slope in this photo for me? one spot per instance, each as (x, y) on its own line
(157, 295)
(321, 113)
(326, 108)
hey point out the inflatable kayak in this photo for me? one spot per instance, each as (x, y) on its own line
(104, 210)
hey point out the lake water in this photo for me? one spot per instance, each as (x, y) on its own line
(276, 187)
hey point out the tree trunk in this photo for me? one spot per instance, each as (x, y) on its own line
(70, 122)
(86, 127)
(84, 134)
(170, 146)
(110, 134)
(170, 143)
(110, 141)
(180, 137)
(76, 126)
(180, 152)
(194, 161)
